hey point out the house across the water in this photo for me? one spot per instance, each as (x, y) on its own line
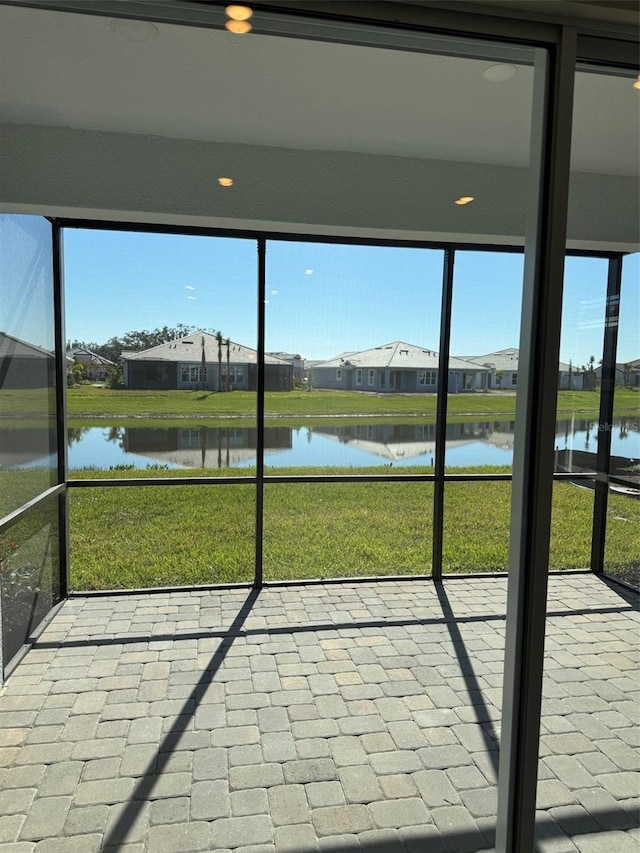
(397, 367)
(199, 361)
(504, 365)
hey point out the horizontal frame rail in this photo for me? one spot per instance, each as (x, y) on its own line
(19, 513)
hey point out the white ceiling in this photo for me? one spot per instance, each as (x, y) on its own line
(70, 70)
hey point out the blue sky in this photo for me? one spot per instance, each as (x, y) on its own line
(324, 299)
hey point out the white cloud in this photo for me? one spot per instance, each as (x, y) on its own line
(308, 272)
(194, 298)
(188, 287)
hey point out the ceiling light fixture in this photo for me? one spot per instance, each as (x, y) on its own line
(636, 84)
(225, 182)
(238, 27)
(465, 199)
(239, 13)
(499, 73)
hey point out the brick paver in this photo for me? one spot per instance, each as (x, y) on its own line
(336, 717)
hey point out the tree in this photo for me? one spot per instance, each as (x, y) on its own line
(76, 373)
(136, 341)
(591, 382)
(219, 340)
(203, 365)
(115, 377)
(227, 343)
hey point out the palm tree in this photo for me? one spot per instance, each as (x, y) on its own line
(592, 375)
(219, 340)
(227, 344)
(203, 366)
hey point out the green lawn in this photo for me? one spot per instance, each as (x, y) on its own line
(175, 535)
(19, 485)
(91, 401)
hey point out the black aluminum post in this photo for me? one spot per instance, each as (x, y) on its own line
(533, 462)
(262, 250)
(61, 406)
(441, 412)
(605, 420)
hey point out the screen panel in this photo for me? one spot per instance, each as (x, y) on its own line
(162, 352)
(28, 446)
(333, 530)
(123, 537)
(29, 574)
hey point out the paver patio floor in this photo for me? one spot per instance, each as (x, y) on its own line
(342, 717)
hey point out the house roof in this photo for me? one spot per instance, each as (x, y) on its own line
(504, 359)
(189, 349)
(630, 366)
(398, 355)
(100, 359)
(14, 347)
(507, 359)
(288, 356)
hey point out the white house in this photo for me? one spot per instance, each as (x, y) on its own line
(397, 367)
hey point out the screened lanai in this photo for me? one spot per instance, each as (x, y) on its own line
(430, 231)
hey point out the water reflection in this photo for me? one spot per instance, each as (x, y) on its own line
(364, 444)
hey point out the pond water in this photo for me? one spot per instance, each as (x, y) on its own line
(388, 444)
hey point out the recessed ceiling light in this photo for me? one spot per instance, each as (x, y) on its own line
(134, 31)
(225, 182)
(465, 199)
(636, 85)
(499, 73)
(239, 13)
(238, 27)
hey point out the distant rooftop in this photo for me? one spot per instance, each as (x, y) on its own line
(398, 355)
(189, 349)
(507, 359)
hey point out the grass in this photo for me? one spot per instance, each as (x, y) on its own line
(180, 535)
(91, 401)
(19, 485)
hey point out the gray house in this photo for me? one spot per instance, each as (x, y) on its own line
(397, 367)
(197, 362)
(503, 370)
(627, 374)
(296, 360)
(96, 366)
(24, 365)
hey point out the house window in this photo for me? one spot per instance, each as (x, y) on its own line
(236, 376)
(372, 377)
(189, 374)
(339, 374)
(382, 379)
(514, 378)
(358, 376)
(427, 377)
